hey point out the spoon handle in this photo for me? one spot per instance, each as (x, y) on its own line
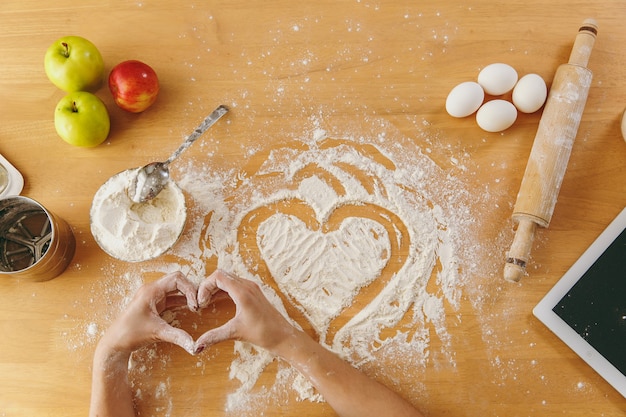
(207, 123)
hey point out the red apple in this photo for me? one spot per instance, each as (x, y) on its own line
(134, 85)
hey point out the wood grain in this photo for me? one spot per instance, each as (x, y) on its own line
(281, 66)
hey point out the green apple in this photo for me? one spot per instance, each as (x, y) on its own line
(73, 63)
(82, 119)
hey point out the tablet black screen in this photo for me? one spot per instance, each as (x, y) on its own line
(595, 307)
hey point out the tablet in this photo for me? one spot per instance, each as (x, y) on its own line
(587, 306)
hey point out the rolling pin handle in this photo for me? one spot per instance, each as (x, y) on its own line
(581, 51)
(518, 257)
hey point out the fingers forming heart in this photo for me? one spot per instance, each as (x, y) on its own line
(182, 293)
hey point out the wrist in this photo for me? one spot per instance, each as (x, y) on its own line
(293, 342)
(108, 356)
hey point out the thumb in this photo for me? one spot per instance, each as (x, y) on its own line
(167, 333)
(214, 336)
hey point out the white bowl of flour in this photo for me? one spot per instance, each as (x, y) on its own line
(135, 232)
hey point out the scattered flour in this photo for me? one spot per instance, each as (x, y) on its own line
(328, 194)
(114, 291)
(92, 329)
(365, 241)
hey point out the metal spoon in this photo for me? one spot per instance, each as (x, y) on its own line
(152, 178)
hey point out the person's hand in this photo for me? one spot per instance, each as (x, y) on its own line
(256, 320)
(346, 389)
(141, 324)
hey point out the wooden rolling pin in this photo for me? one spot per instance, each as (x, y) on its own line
(551, 150)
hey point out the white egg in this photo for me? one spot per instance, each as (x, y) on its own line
(464, 99)
(496, 115)
(530, 93)
(497, 79)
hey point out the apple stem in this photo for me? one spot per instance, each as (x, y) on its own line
(66, 52)
(74, 108)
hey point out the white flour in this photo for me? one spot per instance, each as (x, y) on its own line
(374, 259)
(371, 259)
(342, 261)
(136, 232)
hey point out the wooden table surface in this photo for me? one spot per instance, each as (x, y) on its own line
(286, 68)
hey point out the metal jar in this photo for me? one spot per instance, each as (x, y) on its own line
(35, 244)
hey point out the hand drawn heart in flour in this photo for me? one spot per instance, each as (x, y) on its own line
(331, 256)
(360, 245)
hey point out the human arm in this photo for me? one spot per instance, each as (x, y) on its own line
(347, 390)
(139, 325)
